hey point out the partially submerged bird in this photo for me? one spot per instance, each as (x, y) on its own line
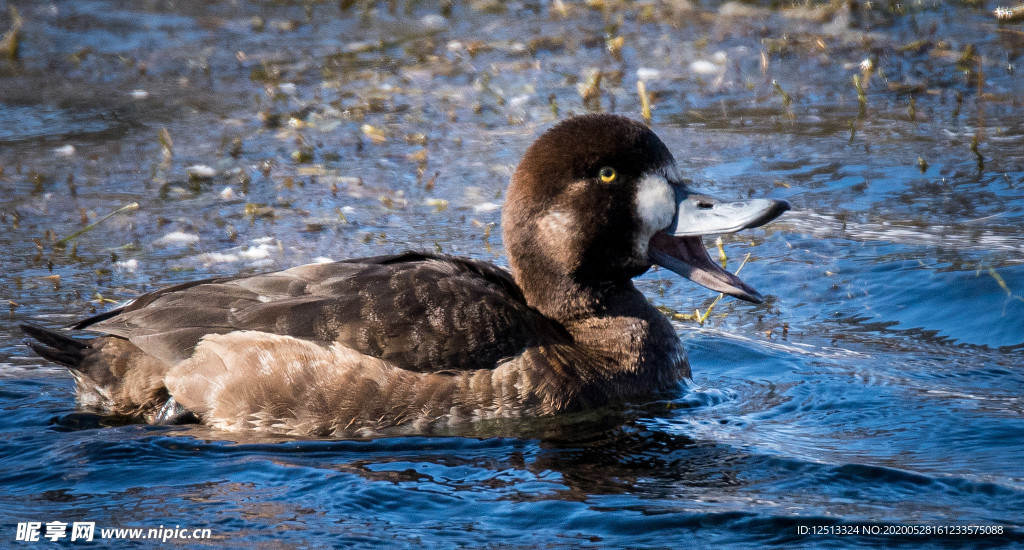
(415, 341)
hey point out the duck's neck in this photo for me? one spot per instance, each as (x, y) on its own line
(569, 301)
(605, 311)
(628, 347)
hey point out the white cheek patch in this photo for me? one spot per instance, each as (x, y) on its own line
(556, 223)
(655, 207)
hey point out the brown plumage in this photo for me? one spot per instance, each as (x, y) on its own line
(414, 341)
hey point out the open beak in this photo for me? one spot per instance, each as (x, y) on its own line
(679, 247)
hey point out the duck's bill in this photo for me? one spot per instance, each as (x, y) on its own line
(679, 247)
(699, 214)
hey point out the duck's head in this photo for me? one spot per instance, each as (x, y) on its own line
(597, 200)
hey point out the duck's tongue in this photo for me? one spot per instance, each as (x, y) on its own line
(680, 249)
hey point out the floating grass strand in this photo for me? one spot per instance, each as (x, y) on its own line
(11, 41)
(966, 60)
(590, 91)
(645, 101)
(977, 153)
(721, 252)
(166, 146)
(126, 208)
(704, 317)
(786, 98)
(102, 300)
(862, 96)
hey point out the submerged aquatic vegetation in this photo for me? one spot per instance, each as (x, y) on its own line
(1005, 287)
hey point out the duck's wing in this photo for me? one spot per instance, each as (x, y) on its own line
(420, 312)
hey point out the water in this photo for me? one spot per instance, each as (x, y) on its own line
(879, 385)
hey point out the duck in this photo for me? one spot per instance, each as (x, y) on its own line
(415, 342)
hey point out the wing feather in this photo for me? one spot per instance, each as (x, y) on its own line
(421, 312)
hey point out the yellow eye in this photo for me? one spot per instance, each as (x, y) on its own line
(608, 174)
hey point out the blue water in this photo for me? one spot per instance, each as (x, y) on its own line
(879, 385)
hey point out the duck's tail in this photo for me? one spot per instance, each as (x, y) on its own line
(113, 376)
(56, 347)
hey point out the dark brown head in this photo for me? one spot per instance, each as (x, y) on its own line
(597, 199)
